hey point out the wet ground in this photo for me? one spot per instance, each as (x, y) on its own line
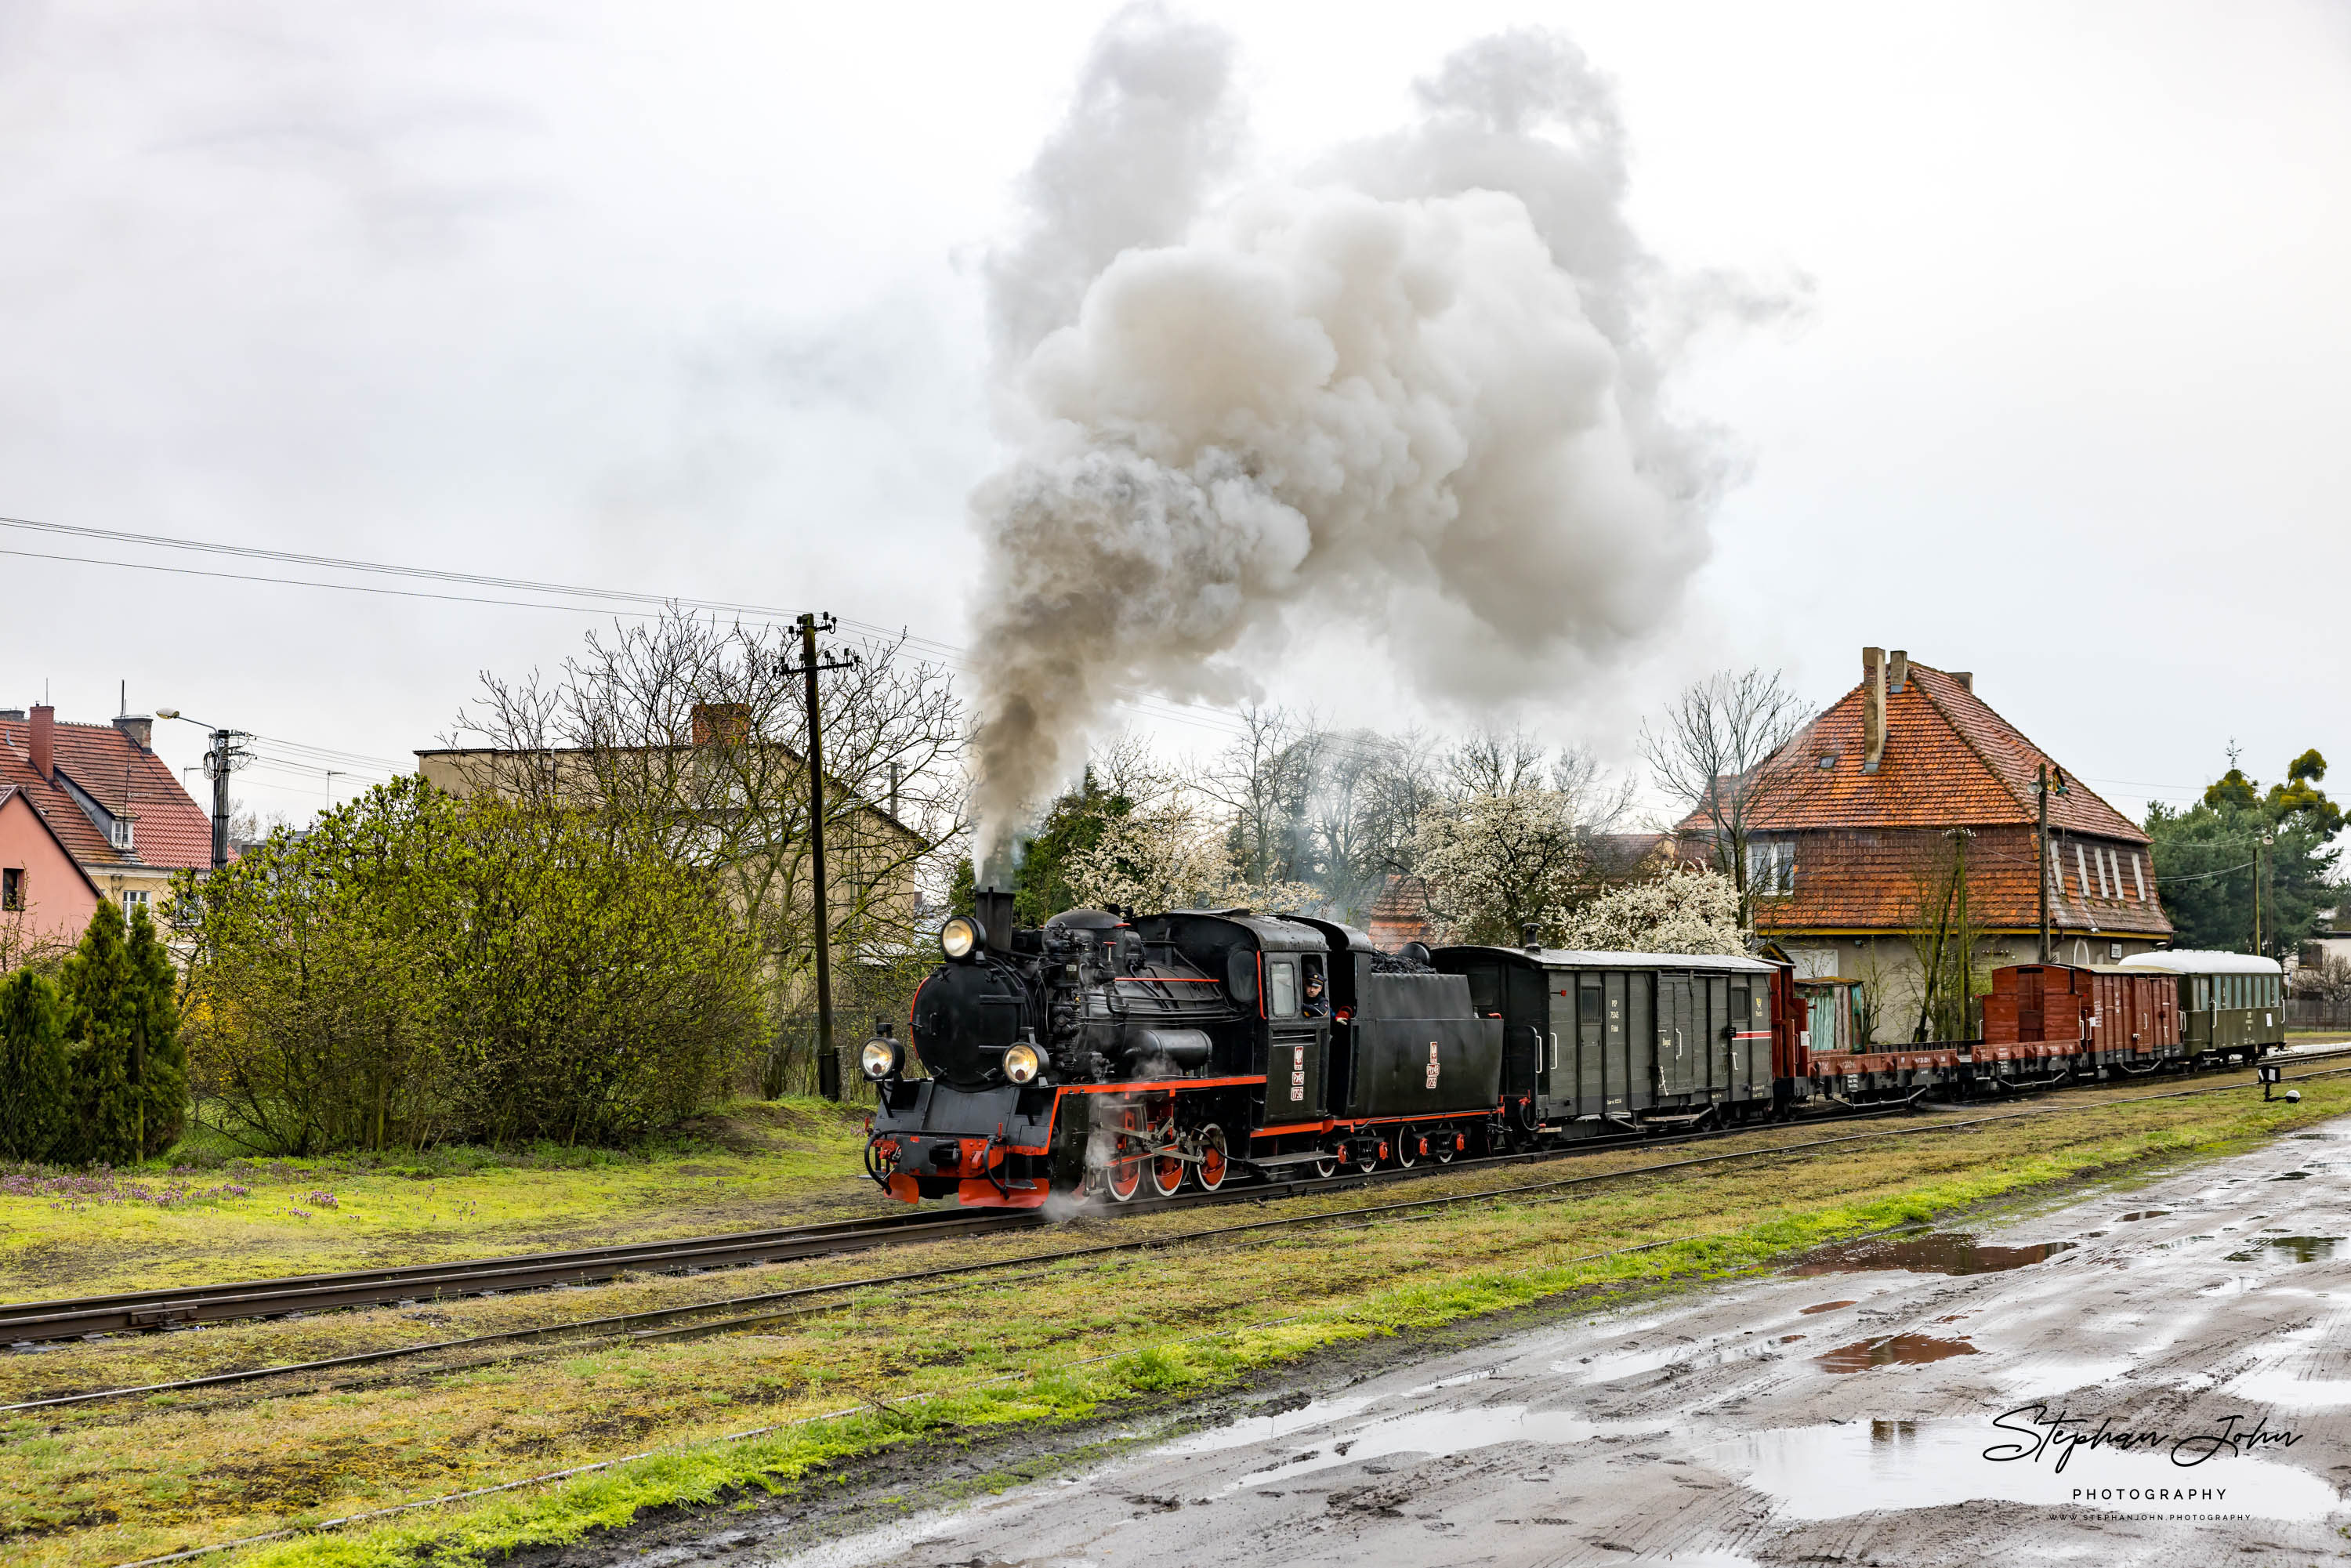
(1920, 1399)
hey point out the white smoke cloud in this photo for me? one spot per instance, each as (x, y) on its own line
(1413, 387)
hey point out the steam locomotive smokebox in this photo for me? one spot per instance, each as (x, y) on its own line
(1417, 1059)
(964, 1017)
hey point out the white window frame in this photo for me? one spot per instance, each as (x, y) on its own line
(2082, 870)
(135, 899)
(2138, 876)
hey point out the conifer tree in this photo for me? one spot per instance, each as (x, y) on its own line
(102, 993)
(159, 1063)
(33, 1086)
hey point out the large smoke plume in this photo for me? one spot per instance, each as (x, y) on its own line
(1417, 385)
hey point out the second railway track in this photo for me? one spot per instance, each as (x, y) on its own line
(74, 1318)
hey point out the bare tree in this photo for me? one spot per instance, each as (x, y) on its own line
(1714, 752)
(689, 737)
(1369, 792)
(1264, 780)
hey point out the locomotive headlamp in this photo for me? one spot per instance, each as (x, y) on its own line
(960, 937)
(881, 1059)
(1023, 1061)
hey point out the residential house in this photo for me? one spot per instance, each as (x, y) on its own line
(871, 858)
(1909, 790)
(106, 802)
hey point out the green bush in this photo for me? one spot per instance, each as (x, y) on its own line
(421, 967)
(35, 1090)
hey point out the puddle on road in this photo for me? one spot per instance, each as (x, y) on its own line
(2293, 1175)
(1839, 1469)
(1943, 1253)
(1827, 1307)
(2147, 1214)
(1894, 1350)
(2290, 1248)
(1425, 1431)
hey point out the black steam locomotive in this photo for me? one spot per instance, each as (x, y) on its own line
(1111, 1054)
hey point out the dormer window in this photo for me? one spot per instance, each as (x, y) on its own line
(121, 833)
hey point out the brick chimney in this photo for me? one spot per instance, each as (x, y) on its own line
(139, 727)
(721, 723)
(1872, 707)
(1966, 679)
(1897, 671)
(44, 742)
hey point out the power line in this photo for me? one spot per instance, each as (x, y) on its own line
(768, 615)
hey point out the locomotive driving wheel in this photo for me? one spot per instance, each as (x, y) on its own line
(1409, 1146)
(1444, 1144)
(1214, 1165)
(1166, 1169)
(1122, 1175)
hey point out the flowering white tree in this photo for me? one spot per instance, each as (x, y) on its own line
(1174, 854)
(1680, 912)
(1493, 861)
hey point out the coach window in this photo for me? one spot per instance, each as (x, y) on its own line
(1281, 988)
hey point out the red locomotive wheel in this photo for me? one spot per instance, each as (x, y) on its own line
(1166, 1174)
(1124, 1175)
(1214, 1165)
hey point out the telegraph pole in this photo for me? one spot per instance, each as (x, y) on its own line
(2044, 786)
(2041, 859)
(226, 758)
(828, 1063)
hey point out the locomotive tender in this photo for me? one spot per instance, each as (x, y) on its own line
(1119, 1055)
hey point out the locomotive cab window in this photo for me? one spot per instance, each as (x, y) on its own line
(1281, 988)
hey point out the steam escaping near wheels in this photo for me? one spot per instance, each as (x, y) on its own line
(1417, 383)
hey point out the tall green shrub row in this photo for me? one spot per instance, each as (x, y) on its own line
(420, 966)
(91, 1066)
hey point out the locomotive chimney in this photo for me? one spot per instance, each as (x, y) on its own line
(1872, 707)
(1531, 935)
(994, 908)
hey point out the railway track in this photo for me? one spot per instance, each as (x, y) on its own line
(72, 1318)
(31, 1323)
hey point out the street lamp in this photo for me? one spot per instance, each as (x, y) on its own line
(226, 758)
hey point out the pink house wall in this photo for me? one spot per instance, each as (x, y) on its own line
(58, 899)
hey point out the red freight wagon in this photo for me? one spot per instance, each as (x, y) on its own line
(2033, 1004)
(2134, 1010)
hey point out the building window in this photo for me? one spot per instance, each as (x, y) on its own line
(132, 903)
(1770, 865)
(12, 887)
(121, 833)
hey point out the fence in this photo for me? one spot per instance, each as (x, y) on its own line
(2314, 1012)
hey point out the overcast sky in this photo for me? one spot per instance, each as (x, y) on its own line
(685, 299)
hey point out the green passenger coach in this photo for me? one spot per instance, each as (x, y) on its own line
(2231, 1004)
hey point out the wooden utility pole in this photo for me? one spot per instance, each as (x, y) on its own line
(2040, 858)
(828, 1063)
(2259, 839)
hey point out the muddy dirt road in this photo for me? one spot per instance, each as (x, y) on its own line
(1899, 1403)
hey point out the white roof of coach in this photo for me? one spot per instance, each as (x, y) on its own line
(2188, 961)
(1582, 958)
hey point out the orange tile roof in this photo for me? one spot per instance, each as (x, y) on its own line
(1949, 761)
(1871, 880)
(169, 829)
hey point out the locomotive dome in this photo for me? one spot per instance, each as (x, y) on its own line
(1084, 920)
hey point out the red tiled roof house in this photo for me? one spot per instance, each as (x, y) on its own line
(1903, 782)
(105, 800)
